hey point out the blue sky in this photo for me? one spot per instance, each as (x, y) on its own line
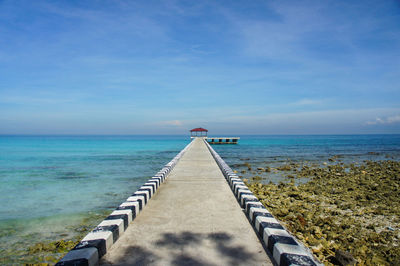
(234, 67)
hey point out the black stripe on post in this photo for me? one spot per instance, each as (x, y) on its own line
(153, 182)
(158, 179)
(264, 225)
(234, 180)
(247, 200)
(76, 262)
(119, 216)
(273, 239)
(250, 205)
(236, 184)
(143, 195)
(113, 228)
(146, 189)
(140, 203)
(265, 214)
(160, 176)
(241, 190)
(132, 208)
(152, 185)
(295, 259)
(241, 194)
(100, 244)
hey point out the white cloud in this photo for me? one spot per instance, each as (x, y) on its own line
(385, 121)
(175, 123)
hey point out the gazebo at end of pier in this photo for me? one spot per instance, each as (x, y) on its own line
(198, 132)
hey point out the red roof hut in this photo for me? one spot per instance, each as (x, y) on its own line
(195, 132)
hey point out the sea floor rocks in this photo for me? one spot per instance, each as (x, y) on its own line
(345, 213)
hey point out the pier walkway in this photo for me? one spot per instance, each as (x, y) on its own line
(193, 219)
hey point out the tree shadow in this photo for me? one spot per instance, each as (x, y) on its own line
(134, 255)
(179, 240)
(234, 254)
(185, 260)
(180, 248)
(219, 237)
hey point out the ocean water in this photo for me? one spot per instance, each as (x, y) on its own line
(52, 186)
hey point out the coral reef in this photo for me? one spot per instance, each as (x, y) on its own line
(345, 213)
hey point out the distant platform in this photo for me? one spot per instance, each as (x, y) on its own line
(221, 140)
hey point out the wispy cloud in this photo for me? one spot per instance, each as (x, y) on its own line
(281, 38)
(173, 123)
(318, 35)
(385, 121)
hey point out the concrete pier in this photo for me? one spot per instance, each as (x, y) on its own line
(193, 216)
(193, 219)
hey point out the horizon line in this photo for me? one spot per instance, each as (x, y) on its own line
(312, 134)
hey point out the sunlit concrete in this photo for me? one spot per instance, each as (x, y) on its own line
(193, 219)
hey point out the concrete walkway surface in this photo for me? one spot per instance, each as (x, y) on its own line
(193, 219)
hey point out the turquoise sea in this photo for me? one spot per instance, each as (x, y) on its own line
(55, 187)
(58, 187)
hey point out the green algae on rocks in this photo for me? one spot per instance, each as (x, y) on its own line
(342, 209)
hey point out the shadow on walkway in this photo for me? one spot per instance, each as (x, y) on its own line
(179, 249)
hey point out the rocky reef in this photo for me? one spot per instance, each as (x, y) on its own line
(345, 213)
